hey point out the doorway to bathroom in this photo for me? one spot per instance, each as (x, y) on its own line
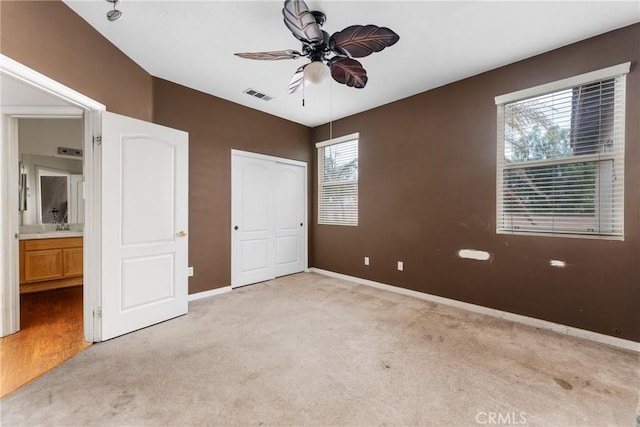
(50, 239)
(50, 264)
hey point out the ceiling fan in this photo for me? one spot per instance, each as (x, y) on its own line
(335, 52)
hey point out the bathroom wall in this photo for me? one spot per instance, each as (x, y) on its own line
(44, 136)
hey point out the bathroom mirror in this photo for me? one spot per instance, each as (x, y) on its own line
(51, 171)
(53, 190)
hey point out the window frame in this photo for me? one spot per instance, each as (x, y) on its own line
(322, 184)
(618, 154)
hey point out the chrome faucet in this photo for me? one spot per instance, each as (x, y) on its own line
(62, 225)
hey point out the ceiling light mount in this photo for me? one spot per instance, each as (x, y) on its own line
(114, 14)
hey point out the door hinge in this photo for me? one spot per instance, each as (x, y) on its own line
(97, 140)
(97, 312)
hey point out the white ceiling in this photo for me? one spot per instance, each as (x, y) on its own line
(192, 43)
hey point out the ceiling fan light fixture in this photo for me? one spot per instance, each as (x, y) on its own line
(316, 72)
(329, 54)
(114, 14)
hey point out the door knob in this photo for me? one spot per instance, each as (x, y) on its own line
(181, 233)
(235, 228)
(300, 224)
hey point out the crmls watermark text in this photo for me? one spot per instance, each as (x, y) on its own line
(501, 418)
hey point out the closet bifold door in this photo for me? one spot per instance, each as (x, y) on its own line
(290, 231)
(268, 236)
(253, 219)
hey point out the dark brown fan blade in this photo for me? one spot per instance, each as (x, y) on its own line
(271, 56)
(349, 72)
(297, 81)
(301, 22)
(358, 41)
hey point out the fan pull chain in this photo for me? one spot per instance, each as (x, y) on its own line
(330, 109)
(303, 85)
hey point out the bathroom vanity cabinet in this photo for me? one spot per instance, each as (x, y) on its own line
(50, 263)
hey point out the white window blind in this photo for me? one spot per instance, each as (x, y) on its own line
(560, 166)
(338, 181)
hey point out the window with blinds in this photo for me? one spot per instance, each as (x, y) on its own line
(338, 181)
(561, 157)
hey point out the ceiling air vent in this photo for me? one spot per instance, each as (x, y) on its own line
(258, 95)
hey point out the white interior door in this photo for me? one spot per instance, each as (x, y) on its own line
(144, 224)
(252, 216)
(290, 219)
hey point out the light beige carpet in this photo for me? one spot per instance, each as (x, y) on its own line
(312, 350)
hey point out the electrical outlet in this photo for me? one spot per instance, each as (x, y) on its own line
(190, 272)
(400, 266)
(366, 260)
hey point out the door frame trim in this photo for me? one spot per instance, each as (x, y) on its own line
(90, 110)
(286, 161)
(268, 157)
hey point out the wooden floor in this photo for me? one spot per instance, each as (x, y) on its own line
(50, 333)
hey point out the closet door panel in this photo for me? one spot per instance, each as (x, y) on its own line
(290, 209)
(253, 232)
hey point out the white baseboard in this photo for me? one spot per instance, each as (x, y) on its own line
(531, 321)
(211, 293)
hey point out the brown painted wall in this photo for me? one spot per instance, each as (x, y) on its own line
(50, 38)
(215, 127)
(428, 188)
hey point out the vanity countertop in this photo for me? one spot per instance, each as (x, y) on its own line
(49, 235)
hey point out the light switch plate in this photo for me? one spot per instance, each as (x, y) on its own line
(400, 266)
(366, 260)
(190, 272)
